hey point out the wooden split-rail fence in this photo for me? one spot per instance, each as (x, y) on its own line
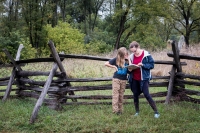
(58, 92)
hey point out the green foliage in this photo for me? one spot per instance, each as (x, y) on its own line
(28, 51)
(72, 41)
(5, 72)
(31, 16)
(10, 43)
(147, 36)
(151, 42)
(3, 58)
(66, 39)
(100, 41)
(96, 46)
(35, 16)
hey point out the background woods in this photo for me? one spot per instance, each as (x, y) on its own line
(101, 25)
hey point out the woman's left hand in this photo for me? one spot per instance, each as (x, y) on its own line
(140, 64)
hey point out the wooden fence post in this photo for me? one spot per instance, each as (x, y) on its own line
(57, 59)
(19, 51)
(43, 93)
(9, 86)
(170, 85)
(13, 74)
(176, 56)
(12, 60)
(175, 67)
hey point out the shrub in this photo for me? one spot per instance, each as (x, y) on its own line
(9, 43)
(95, 47)
(66, 39)
(28, 51)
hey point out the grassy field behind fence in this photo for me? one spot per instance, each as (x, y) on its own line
(179, 117)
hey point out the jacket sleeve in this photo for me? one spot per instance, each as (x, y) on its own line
(148, 62)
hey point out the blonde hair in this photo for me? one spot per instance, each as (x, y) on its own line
(121, 52)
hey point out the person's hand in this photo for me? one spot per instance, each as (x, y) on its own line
(130, 69)
(116, 69)
(140, 64)
(126, 56)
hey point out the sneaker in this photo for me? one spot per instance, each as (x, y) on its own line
(136, 114)
(156, 115)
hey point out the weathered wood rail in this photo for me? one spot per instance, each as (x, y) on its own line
(57, 91)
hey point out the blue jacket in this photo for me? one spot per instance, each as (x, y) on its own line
(148, 64)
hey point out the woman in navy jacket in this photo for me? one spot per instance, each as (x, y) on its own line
(139, 78)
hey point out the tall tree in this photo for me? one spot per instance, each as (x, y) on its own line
(130, 14)
(10, 15)
(63, 9)
(186, 17)
(97, 6)
(55, 13)
(34, 13)
(122, 10)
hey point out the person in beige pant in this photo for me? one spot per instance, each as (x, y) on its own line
(119, 79)
(118, 89)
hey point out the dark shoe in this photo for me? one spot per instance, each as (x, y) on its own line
(119, 113)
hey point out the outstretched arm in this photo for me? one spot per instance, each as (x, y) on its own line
(111, 66)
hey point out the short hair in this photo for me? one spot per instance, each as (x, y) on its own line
(134, 44)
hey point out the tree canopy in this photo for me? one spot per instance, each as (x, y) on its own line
(95, 26)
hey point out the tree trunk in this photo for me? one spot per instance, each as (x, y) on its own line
(121, 26)
(55, 17)
(16, 10)
(63, 12)
(187, 40)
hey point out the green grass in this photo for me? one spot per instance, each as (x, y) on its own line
(176, 117)
(181, 117)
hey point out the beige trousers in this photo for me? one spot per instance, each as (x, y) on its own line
(118, 89)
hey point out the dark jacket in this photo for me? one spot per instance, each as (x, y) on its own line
(148, 64)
